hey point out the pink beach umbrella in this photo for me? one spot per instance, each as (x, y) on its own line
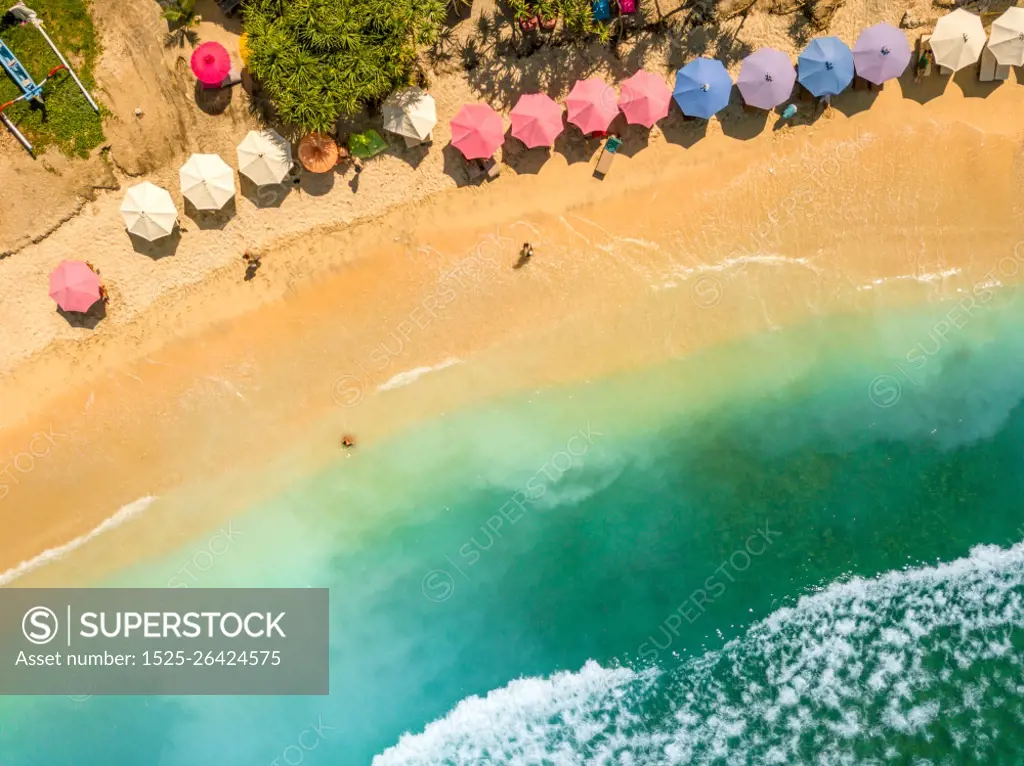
(592, 105)
(644, 99)
(211, 63)
(536, 120)
(477, 131)
(74, 286)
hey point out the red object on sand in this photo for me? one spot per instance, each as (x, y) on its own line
(74, 286)
(536, 120)
(477, 131)
(211, 63)
(592, 105)
(627, 6)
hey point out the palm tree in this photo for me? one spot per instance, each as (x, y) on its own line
(323, 59)
(182, 14)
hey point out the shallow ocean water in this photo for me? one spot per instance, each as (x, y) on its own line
(801, 548)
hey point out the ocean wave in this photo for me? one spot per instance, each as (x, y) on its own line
(925, 660)
(125, 513)
(410, 376)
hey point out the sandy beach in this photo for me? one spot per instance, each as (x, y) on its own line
(400, 301)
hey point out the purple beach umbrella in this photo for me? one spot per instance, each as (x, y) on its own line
(881, 53)
(766, 78)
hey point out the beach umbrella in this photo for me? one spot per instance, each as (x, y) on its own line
(207, 181)
(958, 40)
(592, 105)
(1007, 39)
(477, 131)
(211, 63)
(702, 88)
(149, 211)
(410, 112)
(644, 99)
(74, 286)
(536, 120)
(265, 157)
(881, 53)
(825, 67)
(366, 144)
(766, 78)
(318, 153)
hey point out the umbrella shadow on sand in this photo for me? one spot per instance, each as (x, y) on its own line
(455, 166)
(271, 195)
(743, 123)
(85, 319)
(316, 184)
(635, 138)
(930, 87)
(212, 100)
(854, 100)
(967, 80)
(576, 147)
(410, 155)
(211, 219)
(523, 160)
(682, 130)
(160, 248)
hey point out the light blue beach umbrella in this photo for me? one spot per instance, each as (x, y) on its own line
(825, 68)
(702, 88)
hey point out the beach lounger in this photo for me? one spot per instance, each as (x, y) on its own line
(488, 169)
(492, 168)
(234, 77)
(987, 68)
(602, 10)
(925, 50)
(604, 164)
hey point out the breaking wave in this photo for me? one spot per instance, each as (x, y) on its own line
(914, 666)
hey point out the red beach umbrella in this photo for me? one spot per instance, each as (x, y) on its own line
(536, 120)
(477, 131)
(644, 99)
(74, 286)
(592, 105)
(211, 63)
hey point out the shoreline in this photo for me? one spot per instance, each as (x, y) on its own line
(679, 249)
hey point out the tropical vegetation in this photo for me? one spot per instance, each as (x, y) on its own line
(67, 120)
(319, 60)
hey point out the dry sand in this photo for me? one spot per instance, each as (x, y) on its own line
(698, 235)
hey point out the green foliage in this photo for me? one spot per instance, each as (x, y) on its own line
(67, 120)
(322, 59)
(183, 13)
(577, 17)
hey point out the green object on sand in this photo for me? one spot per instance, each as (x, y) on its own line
(366, 144)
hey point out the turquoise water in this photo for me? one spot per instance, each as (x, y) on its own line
(798, 549)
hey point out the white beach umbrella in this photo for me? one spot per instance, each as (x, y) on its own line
(265, 157)
(410, 112)
(149, 211)
(207, 181)
(958, 40)
(1007, 39)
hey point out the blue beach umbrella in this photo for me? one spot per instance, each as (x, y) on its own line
(825, 68)
(702, 88)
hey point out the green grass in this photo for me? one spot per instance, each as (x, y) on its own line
(67, 121)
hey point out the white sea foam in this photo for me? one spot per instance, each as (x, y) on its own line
(866, 662)
(405, 378)
(126, 513)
